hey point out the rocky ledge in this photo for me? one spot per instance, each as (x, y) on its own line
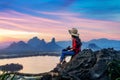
(87, 65)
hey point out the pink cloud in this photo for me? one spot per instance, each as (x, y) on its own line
(48, 28)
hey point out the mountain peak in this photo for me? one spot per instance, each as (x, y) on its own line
(13, 44)
(101, 39)
(43, 40)
(53, 40)
(35, 38)
(21, 42)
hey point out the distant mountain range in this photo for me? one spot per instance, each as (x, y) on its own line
(34, 45)
(95, 44)
(37, 45)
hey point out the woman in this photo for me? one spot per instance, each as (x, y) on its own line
(76, 45)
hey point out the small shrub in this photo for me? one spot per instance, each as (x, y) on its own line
(6, 76)
(114, 70)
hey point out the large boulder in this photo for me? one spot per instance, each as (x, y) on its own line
(87, 65)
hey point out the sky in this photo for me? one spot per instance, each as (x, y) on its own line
(24, 19)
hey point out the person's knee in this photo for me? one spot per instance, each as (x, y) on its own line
(63, 52)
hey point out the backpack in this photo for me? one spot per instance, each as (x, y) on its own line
(78, 41)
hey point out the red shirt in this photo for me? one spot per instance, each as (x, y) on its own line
(74, 46)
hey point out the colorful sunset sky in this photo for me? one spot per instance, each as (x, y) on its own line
(24, 19)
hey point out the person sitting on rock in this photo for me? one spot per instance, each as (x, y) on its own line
(76, 46)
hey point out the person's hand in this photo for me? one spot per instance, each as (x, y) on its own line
(71, 49)
(68, 48)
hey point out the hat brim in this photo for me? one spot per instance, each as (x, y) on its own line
(70, 32)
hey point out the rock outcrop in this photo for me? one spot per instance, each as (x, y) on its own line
(87, 65)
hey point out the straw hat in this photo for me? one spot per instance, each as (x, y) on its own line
(74, 32)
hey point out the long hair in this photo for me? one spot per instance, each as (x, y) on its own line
(74, 36)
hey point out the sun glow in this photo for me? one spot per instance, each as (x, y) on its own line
(13, 32)
(1, 39)
(6, 35)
